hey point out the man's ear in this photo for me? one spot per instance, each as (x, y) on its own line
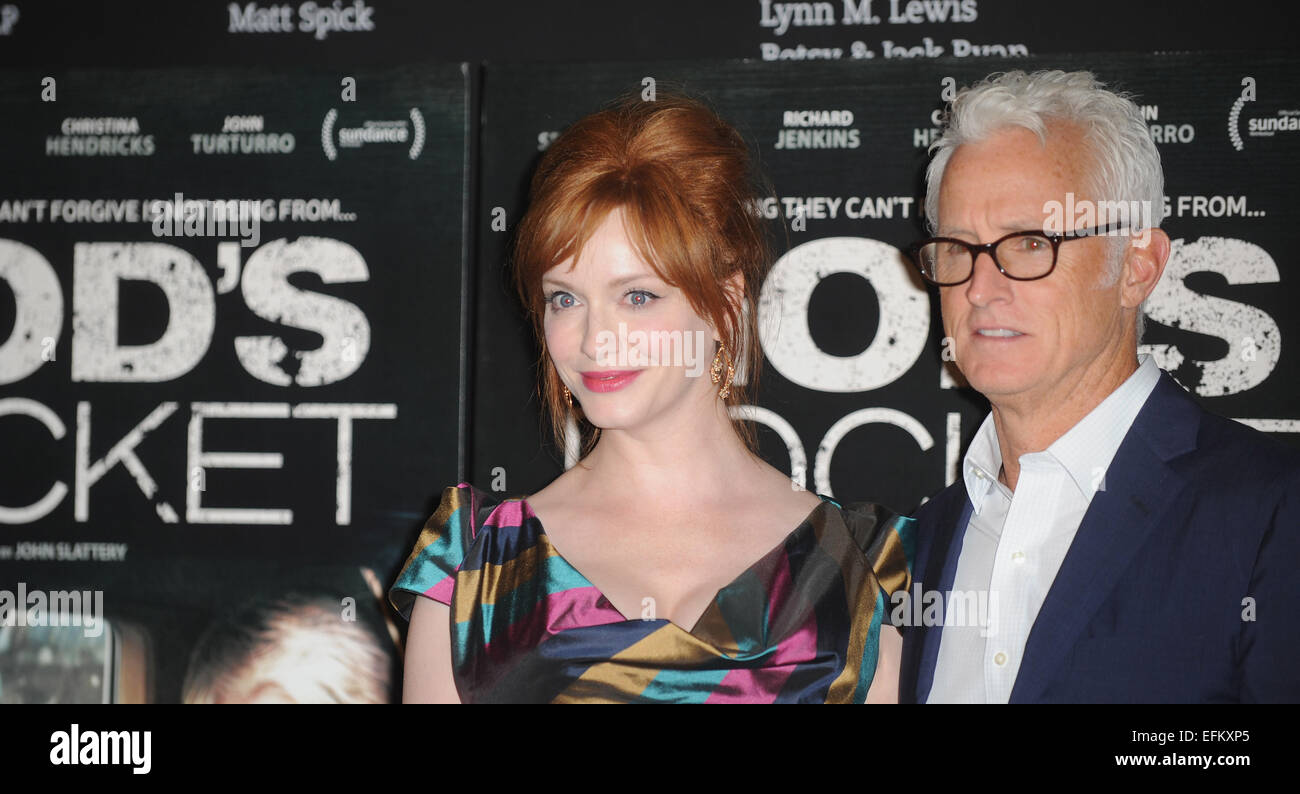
(1144, 263)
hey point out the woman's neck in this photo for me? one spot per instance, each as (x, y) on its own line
(700, 455)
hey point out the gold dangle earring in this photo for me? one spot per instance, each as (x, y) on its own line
(568, 395)
(715, 371)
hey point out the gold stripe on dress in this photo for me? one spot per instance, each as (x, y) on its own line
(860, 593)
(436, 526)
(631, 670)
(479, 586)
(890, 562)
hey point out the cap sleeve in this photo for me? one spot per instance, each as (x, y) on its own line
(892, 552)
(889, 542)
(431, 568)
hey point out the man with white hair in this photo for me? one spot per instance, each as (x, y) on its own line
(1129, 545)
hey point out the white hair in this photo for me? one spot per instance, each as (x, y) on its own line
(1125, 162)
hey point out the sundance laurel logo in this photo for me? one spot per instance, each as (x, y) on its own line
(93, 748)
(408, 132)
(1260, 126)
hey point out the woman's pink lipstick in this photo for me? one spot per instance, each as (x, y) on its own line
(608, 381)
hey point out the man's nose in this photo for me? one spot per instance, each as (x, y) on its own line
(987, 284)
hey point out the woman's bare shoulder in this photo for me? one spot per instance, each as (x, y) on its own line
(564, 492)
(780, 492)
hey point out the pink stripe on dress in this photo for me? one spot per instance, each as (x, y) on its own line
(441, 592)
(575, 608)
(509, 514)
(745, 686)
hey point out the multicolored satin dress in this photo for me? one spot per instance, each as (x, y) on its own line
(801, 625)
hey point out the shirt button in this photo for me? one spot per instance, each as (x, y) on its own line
(1018, 557)
(1000, 659)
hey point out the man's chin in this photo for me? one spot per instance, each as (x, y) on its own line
(999, 382)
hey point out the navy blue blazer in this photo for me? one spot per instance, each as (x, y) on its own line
(1181, 585)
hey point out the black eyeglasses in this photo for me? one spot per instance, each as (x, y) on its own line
(1022, 256)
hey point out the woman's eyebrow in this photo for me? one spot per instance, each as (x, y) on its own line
(618, 282)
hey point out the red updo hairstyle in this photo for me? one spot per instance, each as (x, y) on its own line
(684, 181)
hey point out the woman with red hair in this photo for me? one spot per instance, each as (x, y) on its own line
(670, 564)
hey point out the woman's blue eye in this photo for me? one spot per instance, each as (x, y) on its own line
(640, 297)
(560, 300)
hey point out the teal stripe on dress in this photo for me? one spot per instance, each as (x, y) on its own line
(556, 576)
(431, 566)
(683, 686)
(450, 544)
(749, 629)
(870, 651)
(905, 526)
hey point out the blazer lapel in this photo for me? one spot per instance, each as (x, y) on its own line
(1140, 486)
(939, 572)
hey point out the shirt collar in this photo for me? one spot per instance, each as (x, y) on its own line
(982, 464)
(1085, 451)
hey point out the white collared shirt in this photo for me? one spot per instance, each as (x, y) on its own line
(1015, 542)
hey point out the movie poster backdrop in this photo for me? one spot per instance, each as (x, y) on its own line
(252, 322)
(230, 371)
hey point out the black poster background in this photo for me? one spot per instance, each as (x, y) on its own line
(48, 33)
(892, 106)
(406, 222)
